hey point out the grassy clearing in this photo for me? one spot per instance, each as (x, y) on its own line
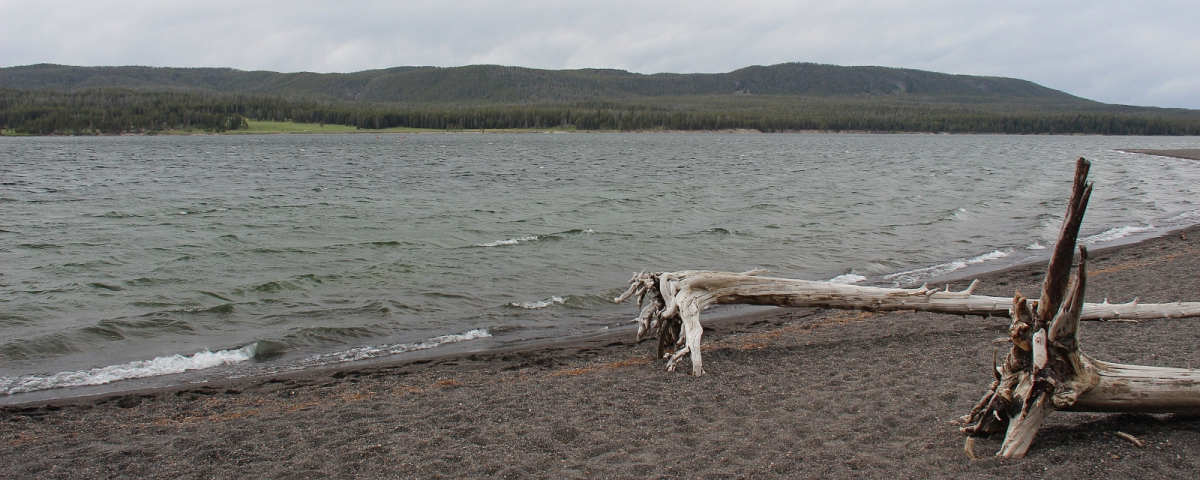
(262, 127)
(257, 127)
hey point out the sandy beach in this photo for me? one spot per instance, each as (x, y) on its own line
(788, 393)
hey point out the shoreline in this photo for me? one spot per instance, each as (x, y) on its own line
(1184, 153)
(1190, 154)
(41, 369)
(789, 392)
(164, 383)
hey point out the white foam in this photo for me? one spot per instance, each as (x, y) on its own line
(542, 304)
(363, 353)
(1114, 233)
(511, 241)
(139, 369)
(911, 276)
(1191, 216)
(847, 279)
(1036, 245)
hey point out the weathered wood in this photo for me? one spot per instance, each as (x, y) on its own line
(1054, 378)
(1139, 389)
(1058, 272)
(662, 295)
(1045, 369)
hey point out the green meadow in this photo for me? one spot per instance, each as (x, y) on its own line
(266, 126)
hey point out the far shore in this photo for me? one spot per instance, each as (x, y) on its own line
(1188, 153)
(257, 127)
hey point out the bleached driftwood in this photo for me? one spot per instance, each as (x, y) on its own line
(1047, 371)
(1044, 371)
(674, 300)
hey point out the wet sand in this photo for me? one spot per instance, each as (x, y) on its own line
(788, 392)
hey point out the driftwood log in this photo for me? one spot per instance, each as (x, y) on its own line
(1044, 371)
(671, 303)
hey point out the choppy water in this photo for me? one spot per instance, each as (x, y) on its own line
(127, 257)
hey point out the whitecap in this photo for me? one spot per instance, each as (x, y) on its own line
(847, 279)
(511, 241)
(911, 276)
(367, 352)
(1192, 216)
(542, 304)
(1114, 234)
(138, 369)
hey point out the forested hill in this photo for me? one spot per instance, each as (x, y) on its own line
(491, 84)
(54, 99)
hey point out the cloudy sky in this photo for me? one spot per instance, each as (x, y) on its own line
(1115, 51)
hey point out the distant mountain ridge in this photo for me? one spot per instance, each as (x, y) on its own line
(495, 84)
(64, 100)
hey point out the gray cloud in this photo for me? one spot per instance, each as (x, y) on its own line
(1112, 51)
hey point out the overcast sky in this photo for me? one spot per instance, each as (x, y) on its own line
(1116, 51)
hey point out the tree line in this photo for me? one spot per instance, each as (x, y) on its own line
(116, 111)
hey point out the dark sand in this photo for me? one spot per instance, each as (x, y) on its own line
(788, 393)
(1188, 153)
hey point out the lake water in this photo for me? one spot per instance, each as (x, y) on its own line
(143, 257)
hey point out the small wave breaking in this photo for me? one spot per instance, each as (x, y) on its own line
(127, 371)
(1190, 217)
(511, 241)
(369, 352)
(540, 304)
(912, 276)
(1114, 234)
(847, 279)
(174, 364)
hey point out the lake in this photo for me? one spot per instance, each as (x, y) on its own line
(220, 256)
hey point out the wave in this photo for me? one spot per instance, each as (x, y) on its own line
(536, 238)
(539, 305)
(368, 352)
(1191, 217)
(847, 279)
(1114, 234)
(511, 241)
(224, 309)
(951, 216)
(114, 214)
(912, 276)
(174, 364)
(127, 371)
(39, 246)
